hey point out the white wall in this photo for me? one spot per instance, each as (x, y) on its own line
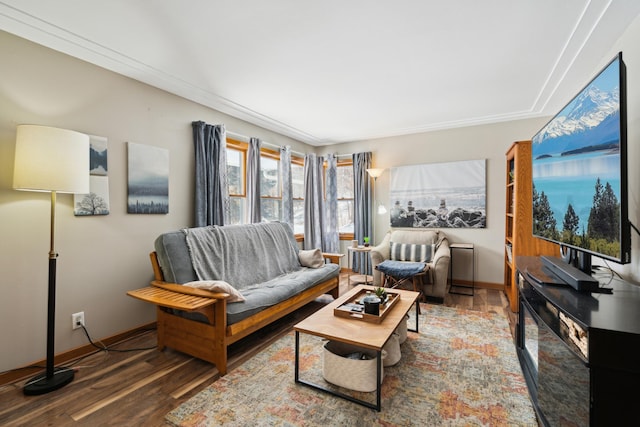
(101, 257)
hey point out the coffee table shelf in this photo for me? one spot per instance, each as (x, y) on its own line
(324, 323)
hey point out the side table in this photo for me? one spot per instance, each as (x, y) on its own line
(359, 250)
(469, 247)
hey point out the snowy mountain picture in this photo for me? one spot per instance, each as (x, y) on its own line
(591, 119)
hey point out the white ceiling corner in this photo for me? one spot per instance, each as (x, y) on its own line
(334, 71)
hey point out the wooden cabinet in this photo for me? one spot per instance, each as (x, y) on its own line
(519, 238)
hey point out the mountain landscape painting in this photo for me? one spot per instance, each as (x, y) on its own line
(98, 155)
(148, 182)
(96, 202)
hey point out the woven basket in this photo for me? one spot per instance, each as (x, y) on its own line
(391, 351)
(354, 374)
(401, 330)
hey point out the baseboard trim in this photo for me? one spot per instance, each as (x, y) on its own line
(27, 371)
(487, 285)
(482, 285)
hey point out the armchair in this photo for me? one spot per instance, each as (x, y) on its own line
(439, 265)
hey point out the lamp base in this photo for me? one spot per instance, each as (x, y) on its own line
(40, 384)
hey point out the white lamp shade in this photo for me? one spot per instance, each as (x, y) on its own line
(51, 159)
(375, 173)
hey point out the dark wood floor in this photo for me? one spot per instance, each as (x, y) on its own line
(140, 387)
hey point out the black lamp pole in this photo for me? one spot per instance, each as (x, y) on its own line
(53, 378)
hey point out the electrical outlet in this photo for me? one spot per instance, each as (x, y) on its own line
(77, 320)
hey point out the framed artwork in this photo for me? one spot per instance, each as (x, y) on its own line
(439, 195)
(96, 202)
(98, 155)
(148, 179)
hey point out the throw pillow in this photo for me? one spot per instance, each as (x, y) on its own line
(218, 286)
(412, 252)
(311, 258)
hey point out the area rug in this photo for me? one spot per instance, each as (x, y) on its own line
(461, 369)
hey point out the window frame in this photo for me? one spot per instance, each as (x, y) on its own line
(345, 163)
(242, 147)
(273, 155)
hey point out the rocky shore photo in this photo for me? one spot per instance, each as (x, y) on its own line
(440, 218)
(439, 195)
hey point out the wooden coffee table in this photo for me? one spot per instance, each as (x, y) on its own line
(374, 336)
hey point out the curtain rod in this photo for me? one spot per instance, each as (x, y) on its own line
(244, 138)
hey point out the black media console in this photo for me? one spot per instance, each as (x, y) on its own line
(579, 351)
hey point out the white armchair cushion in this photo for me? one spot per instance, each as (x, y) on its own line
(412, 252)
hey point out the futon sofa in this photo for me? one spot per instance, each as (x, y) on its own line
(215, 285)
(434, 284)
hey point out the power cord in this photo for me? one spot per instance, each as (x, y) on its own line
(105, 348)
(100, 348)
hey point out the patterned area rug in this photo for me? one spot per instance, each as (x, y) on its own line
(461, 369)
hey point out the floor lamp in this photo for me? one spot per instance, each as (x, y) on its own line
(55, 161)
(375, 173)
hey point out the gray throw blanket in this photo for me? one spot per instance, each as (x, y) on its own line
(242, 255)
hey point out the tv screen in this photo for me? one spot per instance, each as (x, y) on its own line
(579, 170)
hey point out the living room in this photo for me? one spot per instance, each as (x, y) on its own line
(103, 257)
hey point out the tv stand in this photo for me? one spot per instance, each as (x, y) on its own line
(579, 353)
(569, 274)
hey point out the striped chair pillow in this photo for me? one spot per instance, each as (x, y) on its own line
(412, 252)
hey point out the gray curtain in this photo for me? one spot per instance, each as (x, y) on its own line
(362, 202)
(314, 218)
(287, 185)
(253, 181)
(211, 190)
(332, 237)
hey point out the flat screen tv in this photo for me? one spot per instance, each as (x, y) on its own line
(579, 165)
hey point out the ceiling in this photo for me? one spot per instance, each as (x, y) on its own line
(334, 71)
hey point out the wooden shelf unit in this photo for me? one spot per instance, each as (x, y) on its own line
(518, 217)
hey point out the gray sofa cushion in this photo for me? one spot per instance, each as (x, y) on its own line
(279, 289)
(174, 258)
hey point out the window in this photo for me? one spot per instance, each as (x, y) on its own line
(237, 188)
(270, 185)
(297, 182)
(345, 199)
(270, 188)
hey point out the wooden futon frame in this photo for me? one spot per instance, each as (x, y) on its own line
(209, 341)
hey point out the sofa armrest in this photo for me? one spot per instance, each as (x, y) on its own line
(188, 290)
(378, 254)
(333, 258)
(440, 270)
